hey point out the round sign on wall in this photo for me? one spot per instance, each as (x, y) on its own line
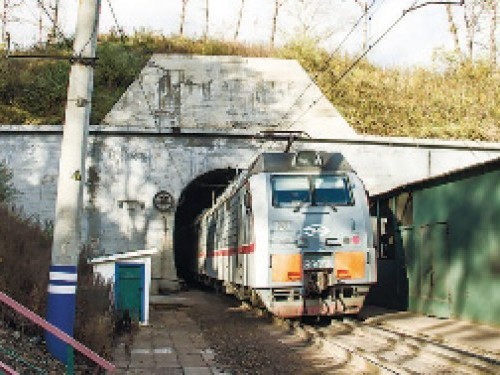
(163, 201)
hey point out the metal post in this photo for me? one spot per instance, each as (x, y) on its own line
(67, 241)
(70, 363)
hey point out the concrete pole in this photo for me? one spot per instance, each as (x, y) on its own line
(67, 237)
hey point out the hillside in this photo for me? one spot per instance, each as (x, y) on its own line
(459, 102)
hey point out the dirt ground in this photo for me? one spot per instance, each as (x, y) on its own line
(246, 343)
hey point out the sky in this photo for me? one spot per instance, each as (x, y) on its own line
(411, 43)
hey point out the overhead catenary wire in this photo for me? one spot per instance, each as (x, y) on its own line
(405, 12)
(123, 37)
(54, 23)
(316, 75)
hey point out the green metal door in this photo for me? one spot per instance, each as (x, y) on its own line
(434, 267)
(130, 289)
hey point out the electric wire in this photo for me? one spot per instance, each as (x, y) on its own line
(113, 14)
(355, 62)
(316, 75)
(123, 37)
(54, 23)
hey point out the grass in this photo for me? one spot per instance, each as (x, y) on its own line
(459, 102)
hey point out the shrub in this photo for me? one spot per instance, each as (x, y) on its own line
(25, 250)
(7, 189)
(94, 325)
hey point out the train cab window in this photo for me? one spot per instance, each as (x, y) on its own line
(331, 190)
(289, 191)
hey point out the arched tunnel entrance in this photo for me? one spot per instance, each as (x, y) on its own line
(195, 197)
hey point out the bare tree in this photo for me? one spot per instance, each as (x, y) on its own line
(493, 30)
(183, 17)
(472, 12)
(277, 6)
(52, 37)
(206, 18)
(8, 16)
(363, 4)
(472, 37)
(5, 12)
(238, 23)
(316, 20)
(452, 25)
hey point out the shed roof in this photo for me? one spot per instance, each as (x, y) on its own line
(123, 256)
(451, 176)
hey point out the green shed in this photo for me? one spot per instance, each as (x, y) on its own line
(438, 242)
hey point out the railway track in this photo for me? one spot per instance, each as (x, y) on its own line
(372, 348)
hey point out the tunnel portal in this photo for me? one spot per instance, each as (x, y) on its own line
(196, 196)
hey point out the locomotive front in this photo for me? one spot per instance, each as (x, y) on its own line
(318, 240)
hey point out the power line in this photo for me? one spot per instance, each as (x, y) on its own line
(123, 37)
(316, 75)
(413, 7)
(54, 22)
(113, 14)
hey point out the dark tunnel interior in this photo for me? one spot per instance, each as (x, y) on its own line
(196, 197)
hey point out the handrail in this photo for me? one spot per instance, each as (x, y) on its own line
(9, 370)
(63, 336)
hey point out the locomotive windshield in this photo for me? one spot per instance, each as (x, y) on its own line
(290, 191)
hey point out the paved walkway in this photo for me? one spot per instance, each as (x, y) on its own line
(171, 344)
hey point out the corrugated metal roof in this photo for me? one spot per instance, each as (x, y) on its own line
(454, 175)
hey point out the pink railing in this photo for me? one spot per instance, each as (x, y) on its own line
(7, 369)
(63, 336)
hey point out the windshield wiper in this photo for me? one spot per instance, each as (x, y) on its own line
(300, 205)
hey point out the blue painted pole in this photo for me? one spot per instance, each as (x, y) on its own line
(61, 307)
(67, 242)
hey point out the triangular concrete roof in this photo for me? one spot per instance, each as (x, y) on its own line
(227, 92)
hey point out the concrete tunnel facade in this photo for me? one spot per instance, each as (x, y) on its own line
(169, 132)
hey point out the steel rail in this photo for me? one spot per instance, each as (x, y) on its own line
(469, 352)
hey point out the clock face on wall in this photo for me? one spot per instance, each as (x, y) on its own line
(163, 201)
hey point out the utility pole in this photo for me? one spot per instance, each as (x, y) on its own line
(67, 237)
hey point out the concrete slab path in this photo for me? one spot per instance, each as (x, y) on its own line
(171, 344)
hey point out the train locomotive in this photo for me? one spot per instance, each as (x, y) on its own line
(291, 233)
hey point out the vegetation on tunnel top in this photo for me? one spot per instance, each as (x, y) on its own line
(458, 100)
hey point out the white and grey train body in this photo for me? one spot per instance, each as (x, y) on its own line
(293, 233)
